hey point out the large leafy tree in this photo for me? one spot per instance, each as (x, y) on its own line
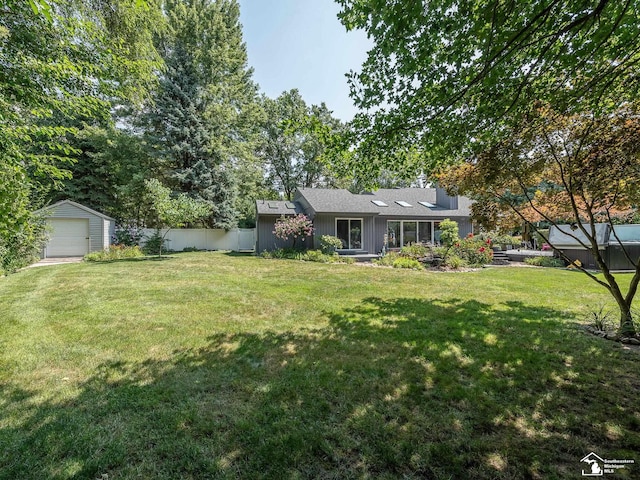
(581, 169)
(445, 78)
(61, 60)
(294, 144)
(109, 171)
(201, 119)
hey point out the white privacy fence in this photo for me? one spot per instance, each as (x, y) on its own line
(237, 239)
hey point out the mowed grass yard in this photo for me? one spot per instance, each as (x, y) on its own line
(211, 365)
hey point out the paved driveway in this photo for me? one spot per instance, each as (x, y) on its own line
(56, 261)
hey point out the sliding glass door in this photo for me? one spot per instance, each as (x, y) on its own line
(349, 231)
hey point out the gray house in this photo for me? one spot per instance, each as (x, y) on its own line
(75, 230)
(364, 222)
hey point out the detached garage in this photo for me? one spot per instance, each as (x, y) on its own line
(76, 230)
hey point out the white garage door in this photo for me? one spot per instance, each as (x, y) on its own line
(69, 237)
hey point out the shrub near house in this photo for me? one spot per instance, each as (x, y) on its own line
(474, 252)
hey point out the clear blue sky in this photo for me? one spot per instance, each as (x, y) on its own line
(302, 44)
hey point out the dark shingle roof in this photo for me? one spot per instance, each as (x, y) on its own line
(343, 201)
(325, 200)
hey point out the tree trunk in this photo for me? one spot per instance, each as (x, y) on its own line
(627, 328)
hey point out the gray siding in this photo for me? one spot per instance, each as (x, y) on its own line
(374, 229)
(325, 224)
(99, 228)
(266, 240)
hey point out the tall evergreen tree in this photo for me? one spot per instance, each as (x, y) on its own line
(201, 118)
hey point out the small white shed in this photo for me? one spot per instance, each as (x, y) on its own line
(76, 230)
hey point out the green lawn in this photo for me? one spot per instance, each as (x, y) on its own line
(209, 365)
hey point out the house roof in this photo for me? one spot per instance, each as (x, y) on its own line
(75, 204)
(324, 200)
(277, 207)
(388, 202)
(571, 237)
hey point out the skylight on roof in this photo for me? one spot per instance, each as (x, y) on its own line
(290, 206)
(402, 203)
(379, 203)
(427, 204)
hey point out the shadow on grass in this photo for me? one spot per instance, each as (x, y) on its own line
(401, 388)
(240, 254)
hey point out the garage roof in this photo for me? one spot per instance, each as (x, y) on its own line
(75, 204)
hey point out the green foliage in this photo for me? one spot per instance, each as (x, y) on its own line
(574, 166)
(21, 247)
(498, 239)
(108, 173)
(114, 252)
(404, 262)
(347, 260)
(63, 62)
(455, 262)
(447, 79)
(449, 232)
(329, 243)
(204, 119)
(174, 212)
(544, 262)
(318, 256)
(294, 143)
(307, 256)
(128, 235)
(155, 244)
(387, 260)
(601, 319)
(416, 251)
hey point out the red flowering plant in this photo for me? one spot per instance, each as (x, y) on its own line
(298, 226)
(474, 250)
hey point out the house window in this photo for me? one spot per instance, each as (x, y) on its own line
(409, 233)
(424, 232)
(349, 231)
(393, 234)
(405, 232)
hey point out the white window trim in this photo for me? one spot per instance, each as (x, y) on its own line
(335, 229)
(433, 228)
